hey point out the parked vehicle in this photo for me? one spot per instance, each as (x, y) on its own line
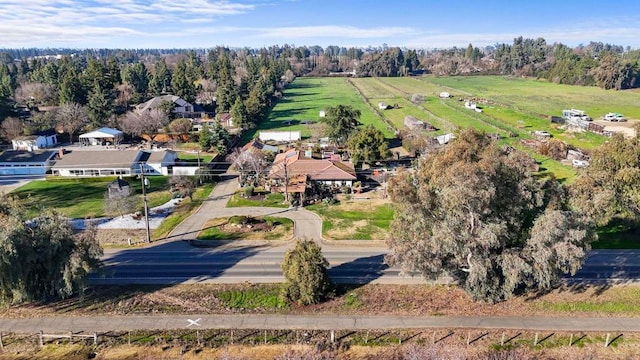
(614, 117)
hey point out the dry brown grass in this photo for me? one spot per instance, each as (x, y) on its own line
(372, 299)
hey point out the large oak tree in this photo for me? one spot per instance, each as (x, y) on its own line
(474, 211)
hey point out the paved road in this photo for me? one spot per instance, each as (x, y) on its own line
(170, 262)
(90, 324)
(177, 262)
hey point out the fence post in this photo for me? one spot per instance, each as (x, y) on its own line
(502, 340)
(95, 338)
(535, 340)
(468, 337)
(333, 336)
(198, 336)
(265, 336)
(570, 339)
(606, 341)
(129, 335)
(231, 337)
(40, 338)
(1, 343)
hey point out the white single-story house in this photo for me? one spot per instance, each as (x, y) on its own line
(79, 163)
(22, 162)
(281, 136)
(102, 136)
(37, 141)
(181, 107)
(158, 162)
(382, 106)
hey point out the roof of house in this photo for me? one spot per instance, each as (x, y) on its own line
(158, 100)
(23, 156)
(224, 116)
(297, 164)
(258, 145)
(158, 156)
(98, 159)
(104, 132)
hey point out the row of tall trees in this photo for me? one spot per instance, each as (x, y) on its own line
(244, 83)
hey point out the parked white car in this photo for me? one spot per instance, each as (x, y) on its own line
(614, 117)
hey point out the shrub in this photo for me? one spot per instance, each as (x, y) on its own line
(305, 273)
(248, 191)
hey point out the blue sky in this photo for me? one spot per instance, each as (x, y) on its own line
(257, 23)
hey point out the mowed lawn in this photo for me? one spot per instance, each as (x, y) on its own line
(305, 98)
(83, 198)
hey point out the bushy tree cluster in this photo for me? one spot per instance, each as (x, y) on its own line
(42, 258)
(475, 212)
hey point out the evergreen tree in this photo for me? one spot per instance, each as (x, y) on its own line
(305, 273)
(181, 85)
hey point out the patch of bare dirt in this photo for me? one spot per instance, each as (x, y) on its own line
(121, 237)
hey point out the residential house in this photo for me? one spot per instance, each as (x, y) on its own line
(181, 108)
(297, 168)
(257, 145)
(102, 136)
(80, 163)
(226, 120)
(37, 141)
(23, 162)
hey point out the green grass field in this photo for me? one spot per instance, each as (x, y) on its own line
(305, 98)
(83, 198)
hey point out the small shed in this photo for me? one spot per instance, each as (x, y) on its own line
(445, 95)
(102, 136)
(118, 189)
(39, 140)
(382, 106)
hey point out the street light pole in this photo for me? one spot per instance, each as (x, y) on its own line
(145, 183)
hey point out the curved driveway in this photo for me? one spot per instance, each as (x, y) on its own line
(308, 225)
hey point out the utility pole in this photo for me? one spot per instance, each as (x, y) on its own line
(199, 170)
(286, 181)
(145, 183)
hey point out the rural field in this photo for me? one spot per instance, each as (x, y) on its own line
(299, 108)
(512, 107)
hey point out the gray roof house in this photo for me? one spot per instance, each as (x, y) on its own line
(80, 163)
(22, 162)
(181, 106)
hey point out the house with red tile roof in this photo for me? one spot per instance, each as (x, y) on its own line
(298, 169)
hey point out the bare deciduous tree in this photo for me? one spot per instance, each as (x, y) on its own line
(122, 204)
(72, 117)
(12, 128)
(148, 122)
(250, 164)
(35, 94)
